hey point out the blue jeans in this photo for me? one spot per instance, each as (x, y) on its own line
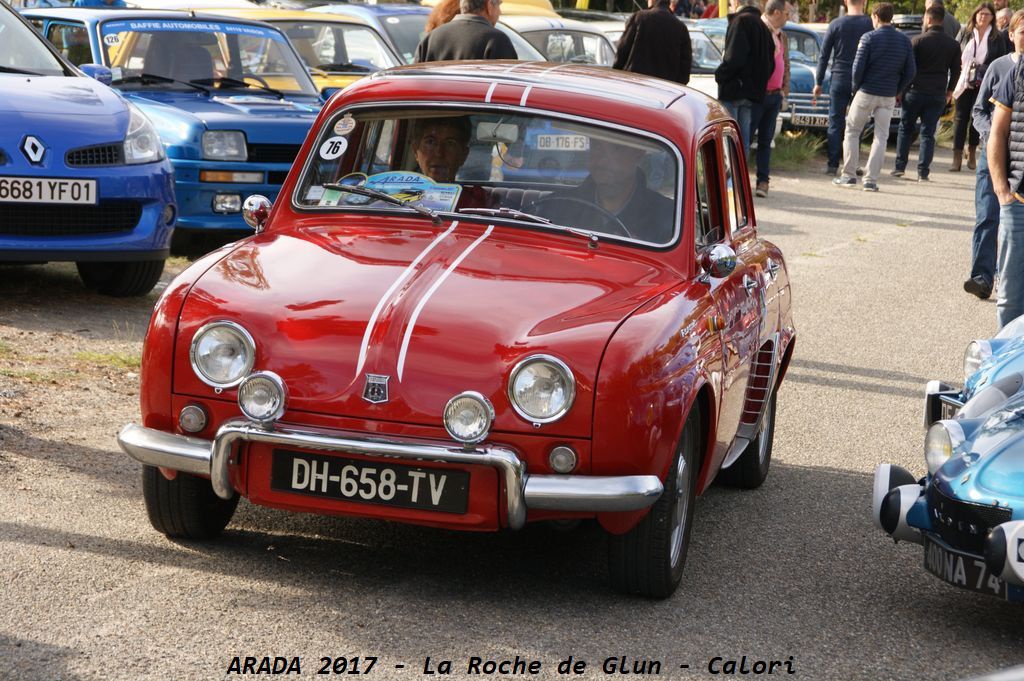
(928, 108)
(1010, 292)
(741, 110)
(840, 96)
(986, 223)
(762, 120)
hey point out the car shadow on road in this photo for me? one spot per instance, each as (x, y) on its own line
(27, 659)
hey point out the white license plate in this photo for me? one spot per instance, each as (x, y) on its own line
(563, 142)
(960, 569)
(811, 120)
(47, 190)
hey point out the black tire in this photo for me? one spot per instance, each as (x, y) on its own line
(121, 279)
(186, 507)
(649, 559)
(750, 470)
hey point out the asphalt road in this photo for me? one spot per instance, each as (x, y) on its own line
(793, 572)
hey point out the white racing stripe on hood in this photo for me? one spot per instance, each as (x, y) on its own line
(430, 292)
(364, 346)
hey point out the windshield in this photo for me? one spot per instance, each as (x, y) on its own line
(243, 57)
(572, 174)
(706, 56)
(22, 50)
(573, 46)
(803, 47)
(405, 31)
(338, 48)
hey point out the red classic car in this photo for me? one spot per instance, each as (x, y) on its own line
(488, 294)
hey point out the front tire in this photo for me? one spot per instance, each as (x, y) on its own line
(186, 507)
(750, 470)
(121, 279)
(648, 560)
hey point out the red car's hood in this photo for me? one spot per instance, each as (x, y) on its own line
(437, 310)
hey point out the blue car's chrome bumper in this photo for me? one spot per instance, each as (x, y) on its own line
(196, 197)
(132, 220)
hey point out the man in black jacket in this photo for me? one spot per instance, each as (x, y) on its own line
(938, 67)
(470, 35)
(747, 64)
(656, 43)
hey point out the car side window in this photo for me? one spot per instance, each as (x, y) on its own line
(735, 188)
(709, 225)
(72, 41)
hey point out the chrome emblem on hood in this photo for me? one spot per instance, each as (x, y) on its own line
(33, 149)
(376, 388)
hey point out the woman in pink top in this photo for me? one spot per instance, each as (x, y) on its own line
(766, 112)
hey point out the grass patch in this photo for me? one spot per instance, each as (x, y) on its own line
(794, 150)
(123, 361)
(6, 350)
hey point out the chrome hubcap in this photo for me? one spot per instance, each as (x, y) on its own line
(680, 508)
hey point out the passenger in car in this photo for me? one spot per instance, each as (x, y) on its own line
(616, 190)
(441, 146)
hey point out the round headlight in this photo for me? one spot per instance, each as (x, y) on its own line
(222, 354)
(977, 352)
(943, 437)
(468, 417)
(261, 397)
(541, 389)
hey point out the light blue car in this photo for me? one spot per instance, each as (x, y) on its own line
(230, 98)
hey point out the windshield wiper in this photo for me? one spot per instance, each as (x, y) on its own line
(344, 66)
(11, 69)
(530, 217)
(235, 82)
(150, 78)
(386, 198)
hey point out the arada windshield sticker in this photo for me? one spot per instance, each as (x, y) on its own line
(333, 147)
(408, 187)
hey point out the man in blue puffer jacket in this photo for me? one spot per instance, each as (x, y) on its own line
(882, 70)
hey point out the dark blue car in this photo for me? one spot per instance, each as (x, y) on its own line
(83, 176)
(230, 98)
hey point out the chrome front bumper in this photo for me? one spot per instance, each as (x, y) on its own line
(550, 492)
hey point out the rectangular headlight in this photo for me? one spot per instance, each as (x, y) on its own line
(230, 176)
(224, 145)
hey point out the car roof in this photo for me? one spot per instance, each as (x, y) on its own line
(272, 14)
(89, 14)
(371, 10)
(525, 24)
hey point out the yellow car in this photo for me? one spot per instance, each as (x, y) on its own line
(337, 50)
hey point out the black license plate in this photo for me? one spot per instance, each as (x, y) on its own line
(961, 569)
(369, 482)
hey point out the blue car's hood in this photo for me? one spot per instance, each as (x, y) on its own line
(1009, 358)
(70, 96)
(801, 77)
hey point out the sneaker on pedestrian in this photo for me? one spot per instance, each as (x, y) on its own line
(761, 190)
(978, 286)
(832, 170)
(845, 181)
(923, 178)
(870, 186)
(897, 173)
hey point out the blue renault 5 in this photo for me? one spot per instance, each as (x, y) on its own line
(230, 98)
(83, 176)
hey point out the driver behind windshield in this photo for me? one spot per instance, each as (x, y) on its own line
(617, 186)
(441, 146)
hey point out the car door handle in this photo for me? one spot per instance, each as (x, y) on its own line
(750, 284)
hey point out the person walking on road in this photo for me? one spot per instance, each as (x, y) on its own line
(937, 57)
(747, 64)
(656, 43)
(1006, 164)
(765, 112)
(949, 23)
(981, 44)
(470, 35)
(986, 205)
(883, 68)
(840, 47)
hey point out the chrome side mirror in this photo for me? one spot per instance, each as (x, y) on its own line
(718, 261)
(255, 211)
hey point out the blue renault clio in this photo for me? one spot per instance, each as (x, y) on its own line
(230, 98)
(83, 176)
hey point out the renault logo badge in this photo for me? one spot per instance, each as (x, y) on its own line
(33, 149)
(376, 389)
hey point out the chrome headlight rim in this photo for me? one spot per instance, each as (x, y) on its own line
(247, 341)
(211, 134)
(954, 433)
(278, 382)
(488, 412)
(974, 356)
(570, 388)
